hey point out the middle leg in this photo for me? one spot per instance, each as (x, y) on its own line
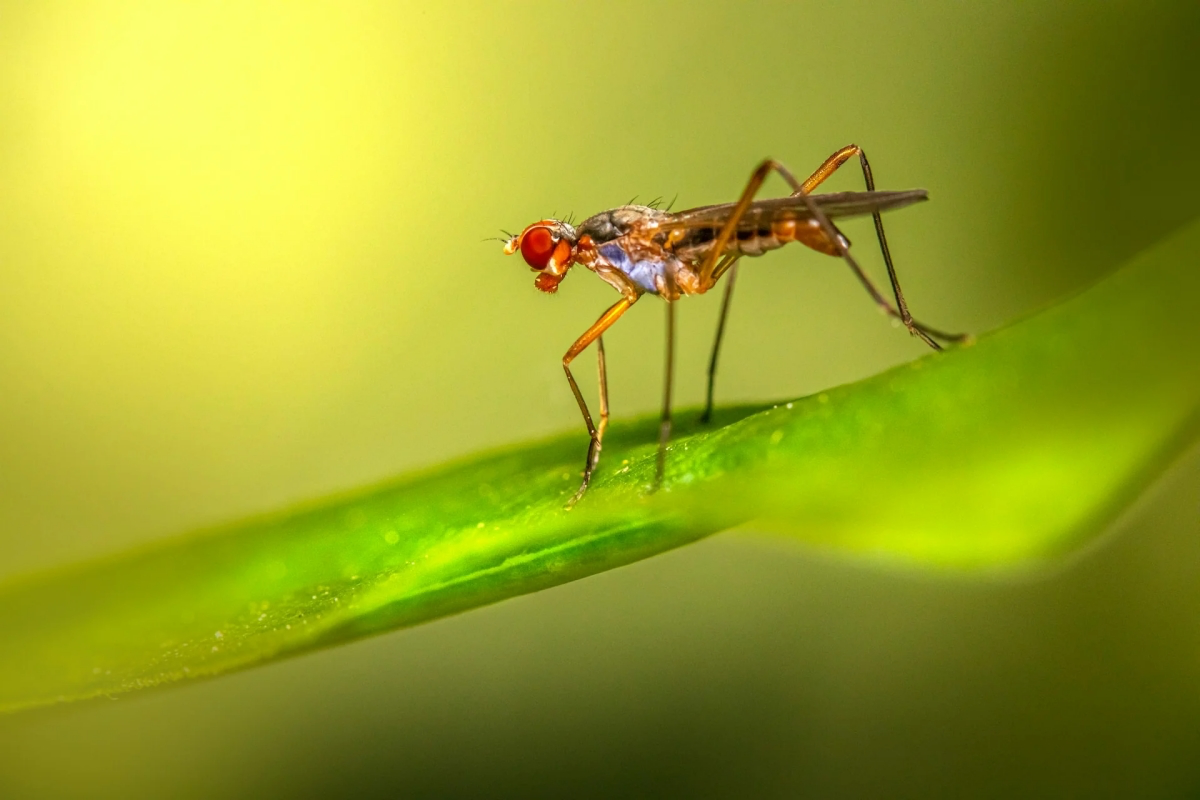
(732, 268)
(716, 262)
(664, 427)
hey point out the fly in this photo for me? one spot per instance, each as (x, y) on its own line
(643, 250)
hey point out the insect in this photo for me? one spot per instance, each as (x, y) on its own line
(642, 250)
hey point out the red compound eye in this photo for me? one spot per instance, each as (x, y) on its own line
(536, 246)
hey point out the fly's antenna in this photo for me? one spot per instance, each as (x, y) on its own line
(508, 237)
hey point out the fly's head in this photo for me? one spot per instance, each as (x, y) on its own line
(549, 247)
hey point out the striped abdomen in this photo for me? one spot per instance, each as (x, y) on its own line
(759, 230)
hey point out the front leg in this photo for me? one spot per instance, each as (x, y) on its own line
(595, 434)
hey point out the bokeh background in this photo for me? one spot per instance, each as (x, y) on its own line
(242, 263)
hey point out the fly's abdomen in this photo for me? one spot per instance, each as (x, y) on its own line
(758, 231)
(758, 240)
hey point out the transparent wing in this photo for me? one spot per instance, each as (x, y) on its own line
(835, 205)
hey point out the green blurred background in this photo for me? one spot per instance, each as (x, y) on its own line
(241, 264)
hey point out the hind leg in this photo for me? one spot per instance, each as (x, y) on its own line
(712, 270)
(900, 311)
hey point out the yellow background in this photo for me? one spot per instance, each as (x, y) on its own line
(242, 263)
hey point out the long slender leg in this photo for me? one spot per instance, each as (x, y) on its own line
(717, 251)
(590, 335)
(710, 269)
(716, 350)
(716, 261)
(602, 383)
(664, 427)
(830, 166)
(869, 179)
(901, 311)
(843, 249)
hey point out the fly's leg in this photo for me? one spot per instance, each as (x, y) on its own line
(602, 383)
(901, 312)
(596, 434)
(830, 166)
(715, 263)
(843, 249)
(708, 267)
(664, 427)
(731, 265)
(711, 270)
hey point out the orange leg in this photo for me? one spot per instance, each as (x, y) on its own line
(901, 312)
(843, 249)
(711, 271)
(708, 267)
(602, 385)
(830, 166)
(596, 433)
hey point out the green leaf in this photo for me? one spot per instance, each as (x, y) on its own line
(1011, 451)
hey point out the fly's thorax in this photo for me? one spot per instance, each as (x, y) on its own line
(621, 221)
